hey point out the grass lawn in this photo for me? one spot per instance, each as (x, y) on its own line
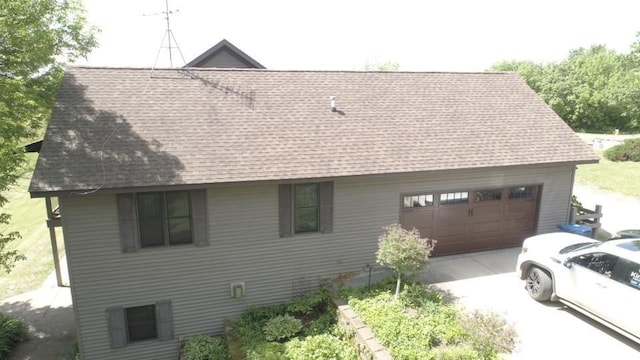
(620, 177)
(28, 217)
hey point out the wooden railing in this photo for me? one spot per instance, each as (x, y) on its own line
(590, 218)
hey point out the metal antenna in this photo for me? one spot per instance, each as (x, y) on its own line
(168, 36)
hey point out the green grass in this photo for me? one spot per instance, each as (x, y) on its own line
(28, 218)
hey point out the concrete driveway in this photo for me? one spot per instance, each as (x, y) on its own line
(487, 281)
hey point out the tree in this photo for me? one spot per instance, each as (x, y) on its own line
(37, 38)
(593, 89)
(403, 250)
(386, 66)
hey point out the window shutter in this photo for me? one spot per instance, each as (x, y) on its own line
(164, 318)
(117, 328)
(284, 199)
(199, 214)
(326, 207)
(126, 219)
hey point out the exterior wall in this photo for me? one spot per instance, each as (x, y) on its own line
(245, 246)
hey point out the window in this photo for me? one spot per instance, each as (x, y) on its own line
(454, 198)
(521, 192)
(132, 324)
(305, 208)
(164, 218)
(629, 273)
(418, 200)
(487, 195)
(154, 219)
(599, 262)
(141, 323)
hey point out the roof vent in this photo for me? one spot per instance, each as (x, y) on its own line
(333, 104)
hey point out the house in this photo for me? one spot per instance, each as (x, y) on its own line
(224, 55)
(187, 195)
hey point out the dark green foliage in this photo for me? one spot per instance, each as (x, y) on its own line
(313, 301)
(281, 327)
(12, 331)
(203, 347)
(629, 150)
(249, 325)
(324, 324)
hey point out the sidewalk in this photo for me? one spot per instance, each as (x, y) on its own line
(49, 313)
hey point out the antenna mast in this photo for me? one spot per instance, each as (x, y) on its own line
(168, 36)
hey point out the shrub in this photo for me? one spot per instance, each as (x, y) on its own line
(629, 150)
(323, 346)
(12, 331)
(267, 351)
(281, 327)
(313, 301)
(403, 250)
(203, 347)
(488, 333)
(456, 352)
(249, 325)
(323, 324)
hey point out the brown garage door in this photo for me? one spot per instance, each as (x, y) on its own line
(464, 221)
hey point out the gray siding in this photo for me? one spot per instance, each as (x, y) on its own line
(245, 245)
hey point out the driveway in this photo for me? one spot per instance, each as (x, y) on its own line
(487, 281)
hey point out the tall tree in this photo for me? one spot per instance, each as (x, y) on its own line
(593, 89)
(37, 38)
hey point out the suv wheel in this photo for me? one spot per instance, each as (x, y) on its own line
(539, 284)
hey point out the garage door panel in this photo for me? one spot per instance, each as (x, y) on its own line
(452, 215)
(492, 227)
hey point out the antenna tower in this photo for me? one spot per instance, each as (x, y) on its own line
(168, 37)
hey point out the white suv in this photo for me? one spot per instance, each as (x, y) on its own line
(599, 279)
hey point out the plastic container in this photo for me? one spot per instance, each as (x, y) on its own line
(583, 230)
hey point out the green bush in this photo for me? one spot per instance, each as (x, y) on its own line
(267, 351)
(203, 347)
(323, 324)
(629, 150)
(488, 333)
(249, 325)
(12, 331)
(313, 301)
(281, 327)
(317, 347)
(456, 352)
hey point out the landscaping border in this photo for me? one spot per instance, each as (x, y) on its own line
(368, 346)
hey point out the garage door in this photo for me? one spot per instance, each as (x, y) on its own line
(472, 220)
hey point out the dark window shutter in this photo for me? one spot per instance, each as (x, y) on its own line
(126, 219)
(326, 207)
(284, 199)
(199, 214)
(164, 318)
(117, 327)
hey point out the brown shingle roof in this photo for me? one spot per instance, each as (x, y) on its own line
(119, 128)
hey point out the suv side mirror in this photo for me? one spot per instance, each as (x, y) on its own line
(567, 263)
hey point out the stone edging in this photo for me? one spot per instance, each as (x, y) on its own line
(368, 345)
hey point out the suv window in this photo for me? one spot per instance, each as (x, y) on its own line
(628, 273)
(599, 262)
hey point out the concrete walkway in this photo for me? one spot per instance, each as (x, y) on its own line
(49, 313)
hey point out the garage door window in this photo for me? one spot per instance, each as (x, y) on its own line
(521, 192)
(454, 198)
(418, 200)
(488, 195)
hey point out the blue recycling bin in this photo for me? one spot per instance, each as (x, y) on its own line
(583, 230)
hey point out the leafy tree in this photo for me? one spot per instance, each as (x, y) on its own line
(403, 250)
(593, 89)
(37, 38)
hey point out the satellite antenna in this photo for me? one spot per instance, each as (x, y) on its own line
(168, 37)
